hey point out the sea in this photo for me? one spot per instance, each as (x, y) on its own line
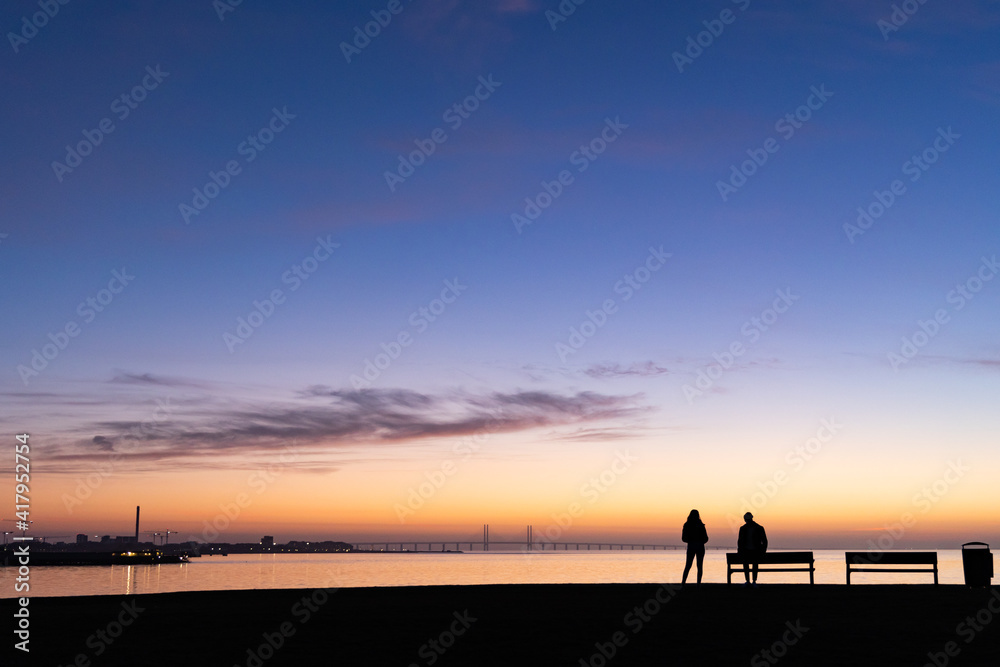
(353, 570)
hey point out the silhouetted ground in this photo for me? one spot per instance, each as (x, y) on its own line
(521, 625)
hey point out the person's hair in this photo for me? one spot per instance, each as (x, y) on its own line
(747, 516)
(694, 516)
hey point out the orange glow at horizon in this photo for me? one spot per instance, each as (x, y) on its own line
(233, 507)
(641, 488)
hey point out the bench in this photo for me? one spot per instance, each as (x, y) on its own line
(734, 563)
(862, 558)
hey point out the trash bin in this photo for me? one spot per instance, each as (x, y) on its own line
(977, 562)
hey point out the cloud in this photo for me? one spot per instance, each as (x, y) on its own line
(313, 466)
(680, 367)
(103, 443)
(923, 360)
(599, 371)
(609, 370)
(989, 363)
(324, 421)
(372, 399)
(599, 434)
(150, 379)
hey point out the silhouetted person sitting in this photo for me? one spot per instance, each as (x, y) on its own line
(695, 536)
(751, 544)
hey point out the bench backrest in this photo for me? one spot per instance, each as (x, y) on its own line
(891, 558)
(774, 557)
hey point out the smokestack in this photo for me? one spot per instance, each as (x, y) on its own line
(137, 524)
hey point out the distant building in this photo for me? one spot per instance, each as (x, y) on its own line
(267, 541)
(81, 539)
(105, 538)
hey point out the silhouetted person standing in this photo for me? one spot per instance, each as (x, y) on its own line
(752, 544)
(695, 536)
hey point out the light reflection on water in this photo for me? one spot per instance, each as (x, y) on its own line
(252, 571)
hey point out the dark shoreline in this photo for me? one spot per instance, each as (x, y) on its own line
(542, 624)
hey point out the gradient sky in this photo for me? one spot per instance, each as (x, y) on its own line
(495, 406)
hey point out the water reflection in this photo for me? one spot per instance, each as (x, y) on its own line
(352, 570)
(267, 571)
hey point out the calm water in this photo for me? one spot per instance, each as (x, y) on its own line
(394, 569)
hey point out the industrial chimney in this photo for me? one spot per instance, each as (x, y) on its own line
(136, 524)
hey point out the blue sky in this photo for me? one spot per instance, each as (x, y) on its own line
(320, 182)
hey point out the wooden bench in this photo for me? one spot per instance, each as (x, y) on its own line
(863, 558)
(734, 563)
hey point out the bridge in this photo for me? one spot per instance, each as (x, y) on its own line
(529, 543)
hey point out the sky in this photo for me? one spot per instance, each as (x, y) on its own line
(379, 270)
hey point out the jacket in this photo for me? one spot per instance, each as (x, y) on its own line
(694, 533)
(752, 538)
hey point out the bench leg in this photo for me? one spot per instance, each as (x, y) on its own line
(848, 575)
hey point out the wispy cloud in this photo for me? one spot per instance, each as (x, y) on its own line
(599, 371)
(645, 369)
(599, 434)
(988, 363)
(325, 421)
(105, 444)
(123, 377)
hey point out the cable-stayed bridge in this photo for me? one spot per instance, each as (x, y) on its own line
(531, 542)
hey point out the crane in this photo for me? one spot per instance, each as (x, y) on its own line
(20, 523)
(165, 534)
